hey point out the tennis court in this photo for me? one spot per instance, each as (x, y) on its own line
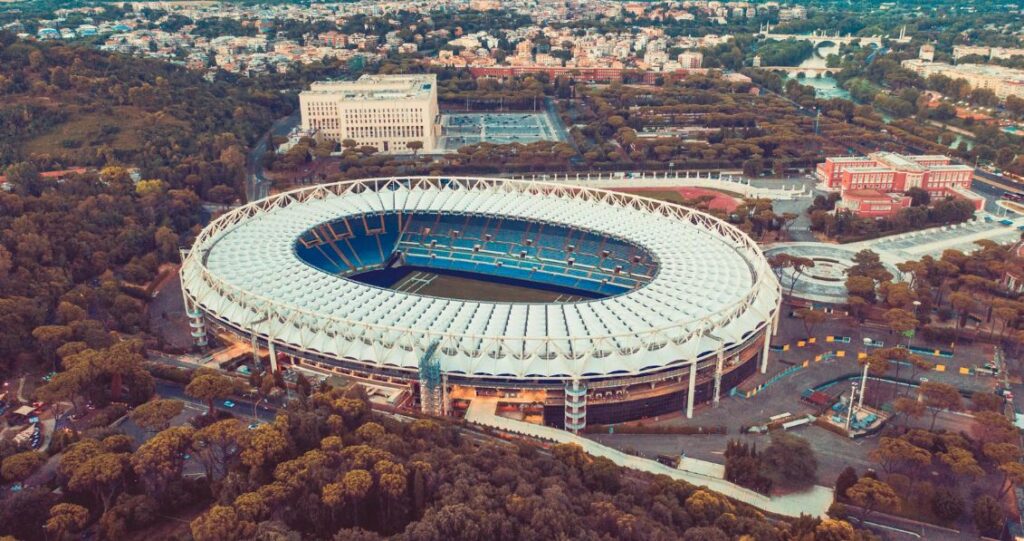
(462, 129)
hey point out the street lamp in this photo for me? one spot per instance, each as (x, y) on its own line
(256, 419)
(910, 333)
(849, 412)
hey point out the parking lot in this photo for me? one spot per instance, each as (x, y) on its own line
(833, 451)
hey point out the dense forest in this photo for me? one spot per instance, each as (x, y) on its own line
(328, 468)
(73, 252)
(71, 105)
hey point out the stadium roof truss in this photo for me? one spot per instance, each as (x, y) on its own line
(713, 289)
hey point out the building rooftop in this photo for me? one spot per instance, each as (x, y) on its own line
(379, 87)
(897, 161)
(709, 274)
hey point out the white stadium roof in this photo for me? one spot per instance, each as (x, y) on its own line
(713, 288)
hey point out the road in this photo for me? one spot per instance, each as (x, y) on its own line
(243, 407)
(257, 186)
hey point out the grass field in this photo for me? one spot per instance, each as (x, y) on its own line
(120, 130)
(469, 289)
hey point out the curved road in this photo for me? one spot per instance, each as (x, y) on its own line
(257, 186)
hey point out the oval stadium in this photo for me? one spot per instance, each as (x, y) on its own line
(578, 305)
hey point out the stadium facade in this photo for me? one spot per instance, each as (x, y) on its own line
(670, 307)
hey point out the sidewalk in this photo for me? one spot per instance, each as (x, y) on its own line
(814, 502)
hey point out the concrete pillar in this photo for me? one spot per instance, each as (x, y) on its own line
(445, 405)
(693, 390)
(719, 365)
(255, 343)
(863, 387)
(764, 353)
(273, 355)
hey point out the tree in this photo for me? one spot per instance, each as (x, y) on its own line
(961, 462)
(861, 286)
(919, 197)
(1006, 314)
(415, 146)
(25, 178)
(391, 480)
(1013, 476)
(264, 447)
(220, 523)
(901, 321)
(119, 360)
(962, 303)
(811, 319)
(160, 460)
(940, 396)
(908, 408)
(988, 515)
(209, 387)
(155, 415)
(354, 487)
(217, 445)
(1001, 453)
(102, 475)
(66, 519)
(799, 265)
(790, 460)
(986, 401)
(18, 467)
(706, 506)
(992, 427)
(870, 494)
(894, 453)
(753, 167)
(847, 478)
(51, 337)
(830, 529)
(303, 385)
(947, 504)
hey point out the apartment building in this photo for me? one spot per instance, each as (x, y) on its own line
(1001, 81)
(691, 59)
(386, 112)
(960, 51)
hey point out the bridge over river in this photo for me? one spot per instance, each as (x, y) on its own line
(819, 37)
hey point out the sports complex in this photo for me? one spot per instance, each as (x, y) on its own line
(586, 305)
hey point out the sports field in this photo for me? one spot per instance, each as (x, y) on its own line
(458, 287)
(461, 129)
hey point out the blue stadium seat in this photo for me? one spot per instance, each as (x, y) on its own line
(477, 244)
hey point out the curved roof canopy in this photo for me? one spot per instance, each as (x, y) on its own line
(713, 287)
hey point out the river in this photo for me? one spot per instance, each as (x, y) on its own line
(824, 86)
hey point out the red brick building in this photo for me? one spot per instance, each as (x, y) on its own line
(873, 203)
(888, 172)
(873, 185)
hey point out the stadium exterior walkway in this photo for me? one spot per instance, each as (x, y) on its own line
(814, 502)
(715, 180)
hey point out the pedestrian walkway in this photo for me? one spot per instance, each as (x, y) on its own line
(814, 502)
